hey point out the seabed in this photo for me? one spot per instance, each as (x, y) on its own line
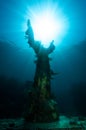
(64, 123)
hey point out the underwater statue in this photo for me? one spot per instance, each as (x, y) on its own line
(41, 106)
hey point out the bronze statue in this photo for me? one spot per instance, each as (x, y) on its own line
(40, 96)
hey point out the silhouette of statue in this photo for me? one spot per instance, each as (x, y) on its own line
(40, 96)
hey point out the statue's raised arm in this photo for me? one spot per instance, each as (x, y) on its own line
(29, 34)
(51, 48)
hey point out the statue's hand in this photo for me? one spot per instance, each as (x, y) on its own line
(52, 42)
(52, 45)
(51, 48)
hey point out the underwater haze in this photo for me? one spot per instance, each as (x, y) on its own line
(17, 59)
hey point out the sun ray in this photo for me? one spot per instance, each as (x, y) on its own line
(48, 22)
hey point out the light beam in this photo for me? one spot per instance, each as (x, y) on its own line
(48, 22)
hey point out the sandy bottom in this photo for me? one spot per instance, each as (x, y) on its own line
(64, 123)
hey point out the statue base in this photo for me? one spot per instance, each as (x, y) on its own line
(40, 109)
